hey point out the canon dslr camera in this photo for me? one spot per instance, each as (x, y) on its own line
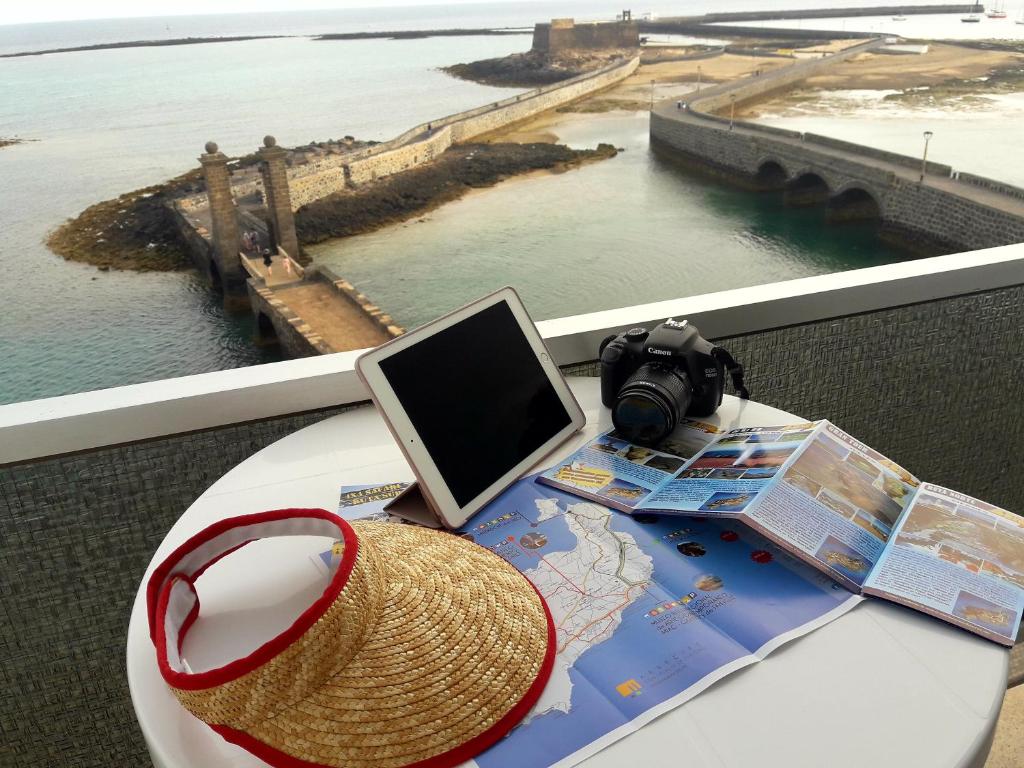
(651, 379)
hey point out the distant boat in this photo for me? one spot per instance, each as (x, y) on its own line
(972, 19)
(997, 12)
(899, 17)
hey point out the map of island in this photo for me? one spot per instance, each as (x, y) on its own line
(587, 589)
(648, 612)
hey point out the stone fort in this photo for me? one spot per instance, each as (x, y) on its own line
(566, 34)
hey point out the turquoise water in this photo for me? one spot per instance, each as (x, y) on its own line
(629, 230)
(107, 122)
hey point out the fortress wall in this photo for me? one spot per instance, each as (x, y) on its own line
(312, 186)
(337, 173)
(546, 99)
(565, 34)
(397, 160)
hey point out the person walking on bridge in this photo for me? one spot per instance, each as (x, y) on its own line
(268, 261)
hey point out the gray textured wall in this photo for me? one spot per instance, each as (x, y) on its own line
(935, 386)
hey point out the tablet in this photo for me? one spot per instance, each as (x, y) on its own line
(474, 400)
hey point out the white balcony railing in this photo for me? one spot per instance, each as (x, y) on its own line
(90, 420)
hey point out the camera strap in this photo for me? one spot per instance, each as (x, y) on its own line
(735, 371)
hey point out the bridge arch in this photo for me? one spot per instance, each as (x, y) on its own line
(215, 279)
(266, 334)
(807, 187)
(856, 190)
(855, 201)
(771, 174)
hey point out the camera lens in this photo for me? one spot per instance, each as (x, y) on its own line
(650, 403)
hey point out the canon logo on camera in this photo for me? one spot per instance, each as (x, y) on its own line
(653, 351)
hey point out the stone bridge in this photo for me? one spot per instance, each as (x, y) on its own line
(926, 206)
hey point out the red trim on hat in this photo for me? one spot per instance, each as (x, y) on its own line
(452, 757)
(163, 580)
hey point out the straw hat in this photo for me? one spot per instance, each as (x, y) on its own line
(424, 649)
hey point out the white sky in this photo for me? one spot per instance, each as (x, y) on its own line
(21, 12)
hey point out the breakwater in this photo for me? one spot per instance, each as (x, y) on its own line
(929, 206)
(840, 13)
(708, 24)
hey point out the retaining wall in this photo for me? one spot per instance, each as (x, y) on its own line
(199, 245)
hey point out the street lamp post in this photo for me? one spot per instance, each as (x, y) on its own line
(732, 109)
(698, 78)
(924, 158)
(652, 94)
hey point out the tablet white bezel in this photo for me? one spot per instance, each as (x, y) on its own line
(433, 486)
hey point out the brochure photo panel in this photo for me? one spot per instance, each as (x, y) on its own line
(837, 502)
(729, 474)
(620, 473)
(958, 558)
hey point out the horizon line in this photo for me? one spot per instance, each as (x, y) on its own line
(370, 5)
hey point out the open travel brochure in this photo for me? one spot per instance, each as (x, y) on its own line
(614, 472)
(840, 506)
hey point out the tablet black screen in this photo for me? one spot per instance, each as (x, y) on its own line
(478, 397)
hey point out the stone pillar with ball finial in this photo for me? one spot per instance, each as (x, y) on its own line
(278, 197)
(226, 271)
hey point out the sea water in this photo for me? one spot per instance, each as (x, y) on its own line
(627, 230)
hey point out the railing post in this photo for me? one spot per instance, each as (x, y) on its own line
(226, 269)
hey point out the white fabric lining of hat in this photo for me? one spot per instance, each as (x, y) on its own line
(183, 596)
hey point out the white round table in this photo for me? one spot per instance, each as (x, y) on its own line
(880, 686)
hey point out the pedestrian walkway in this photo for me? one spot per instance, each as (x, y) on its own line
(332, 316)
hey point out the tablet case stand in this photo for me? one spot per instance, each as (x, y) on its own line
(413, 506)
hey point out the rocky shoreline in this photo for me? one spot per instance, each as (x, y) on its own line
(10, 142)
(534, 68)
(135, 231)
